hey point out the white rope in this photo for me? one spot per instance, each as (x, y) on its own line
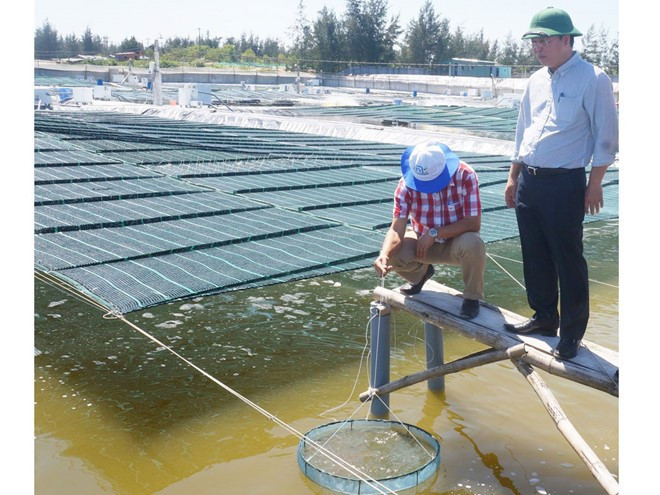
(357, 377)
(504, 258)
(504, 270)
(330, 455)
(374, 397)
(595, 358)
(520, 262)
(343, 423)
(371, 390)
(64, 286)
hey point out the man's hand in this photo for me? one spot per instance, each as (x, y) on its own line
(593, 198)
(382, 265)
(512, 185)
(510, 192)
(391, 243)
(424, 243)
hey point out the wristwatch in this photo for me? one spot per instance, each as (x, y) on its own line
(433, 232)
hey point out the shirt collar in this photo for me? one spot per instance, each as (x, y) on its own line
(566, 66)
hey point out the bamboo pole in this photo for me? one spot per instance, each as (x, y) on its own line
(595, 465)
(477, 359)
(497, 340)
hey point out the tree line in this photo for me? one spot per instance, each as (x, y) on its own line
(364, 34)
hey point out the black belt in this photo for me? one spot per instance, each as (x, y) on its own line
(548, 171)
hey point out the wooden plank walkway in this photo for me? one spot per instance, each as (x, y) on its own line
(595, 366)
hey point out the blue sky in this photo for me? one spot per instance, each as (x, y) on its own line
(119, 19)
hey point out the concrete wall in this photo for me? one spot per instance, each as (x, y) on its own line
(441, 85)
(178, 75)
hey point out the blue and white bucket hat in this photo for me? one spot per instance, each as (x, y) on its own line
(428, 167)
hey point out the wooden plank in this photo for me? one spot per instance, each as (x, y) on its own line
(594, 366)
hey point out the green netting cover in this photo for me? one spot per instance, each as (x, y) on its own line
(136, 283)
(137, 210)
(88, 173)
(393, 456)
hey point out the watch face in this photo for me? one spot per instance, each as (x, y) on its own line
(433, 232)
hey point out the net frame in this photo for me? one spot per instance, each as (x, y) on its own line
(348, 485)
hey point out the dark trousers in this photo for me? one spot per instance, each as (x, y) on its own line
(550, 212)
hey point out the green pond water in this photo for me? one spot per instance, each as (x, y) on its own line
(117, 414)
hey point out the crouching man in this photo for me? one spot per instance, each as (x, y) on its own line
(439, 194)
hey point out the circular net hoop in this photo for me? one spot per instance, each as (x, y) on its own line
(388, 455)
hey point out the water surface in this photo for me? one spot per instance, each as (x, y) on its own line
(117, 414)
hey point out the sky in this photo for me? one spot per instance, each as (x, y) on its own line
(120, 19)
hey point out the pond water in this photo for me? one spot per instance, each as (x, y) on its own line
(117, 414)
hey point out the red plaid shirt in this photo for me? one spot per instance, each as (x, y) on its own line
(425, 210)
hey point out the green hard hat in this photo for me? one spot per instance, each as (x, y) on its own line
(551, 22)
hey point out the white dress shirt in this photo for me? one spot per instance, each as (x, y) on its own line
(567, 118)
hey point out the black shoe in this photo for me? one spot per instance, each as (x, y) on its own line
(567, 348)
(542, 327)
(412, 289)
(470, 308)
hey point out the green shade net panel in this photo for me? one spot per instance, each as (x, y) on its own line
(137, 210)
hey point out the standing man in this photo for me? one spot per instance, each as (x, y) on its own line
(440, 195)
(567, 119)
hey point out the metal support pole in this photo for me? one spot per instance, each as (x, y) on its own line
(435, 354)
(380, 355)
(157, 78)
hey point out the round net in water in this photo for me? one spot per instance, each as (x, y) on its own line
(368, 456)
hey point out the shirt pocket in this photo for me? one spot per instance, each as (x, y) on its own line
(455, 209)
(567, 109)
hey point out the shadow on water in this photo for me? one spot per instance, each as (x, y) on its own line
(489, 459)
(434, 405)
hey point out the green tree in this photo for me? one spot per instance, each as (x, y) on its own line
(592, 49)
(271, 48)
(177, 42)
(225, 53)
(494, 50)
(457, 44)
(70, 45)
(91, 45)
(352, 25)
(428, 37)
(301, 37)
(516, 53)
(599, 50)
(368, 34)
(476, 46)
(130, 45)
(210, 42)
(422, 36)
(611, 65)
(328, 40)
(47, 43)
(390, 40)
(249, 56)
